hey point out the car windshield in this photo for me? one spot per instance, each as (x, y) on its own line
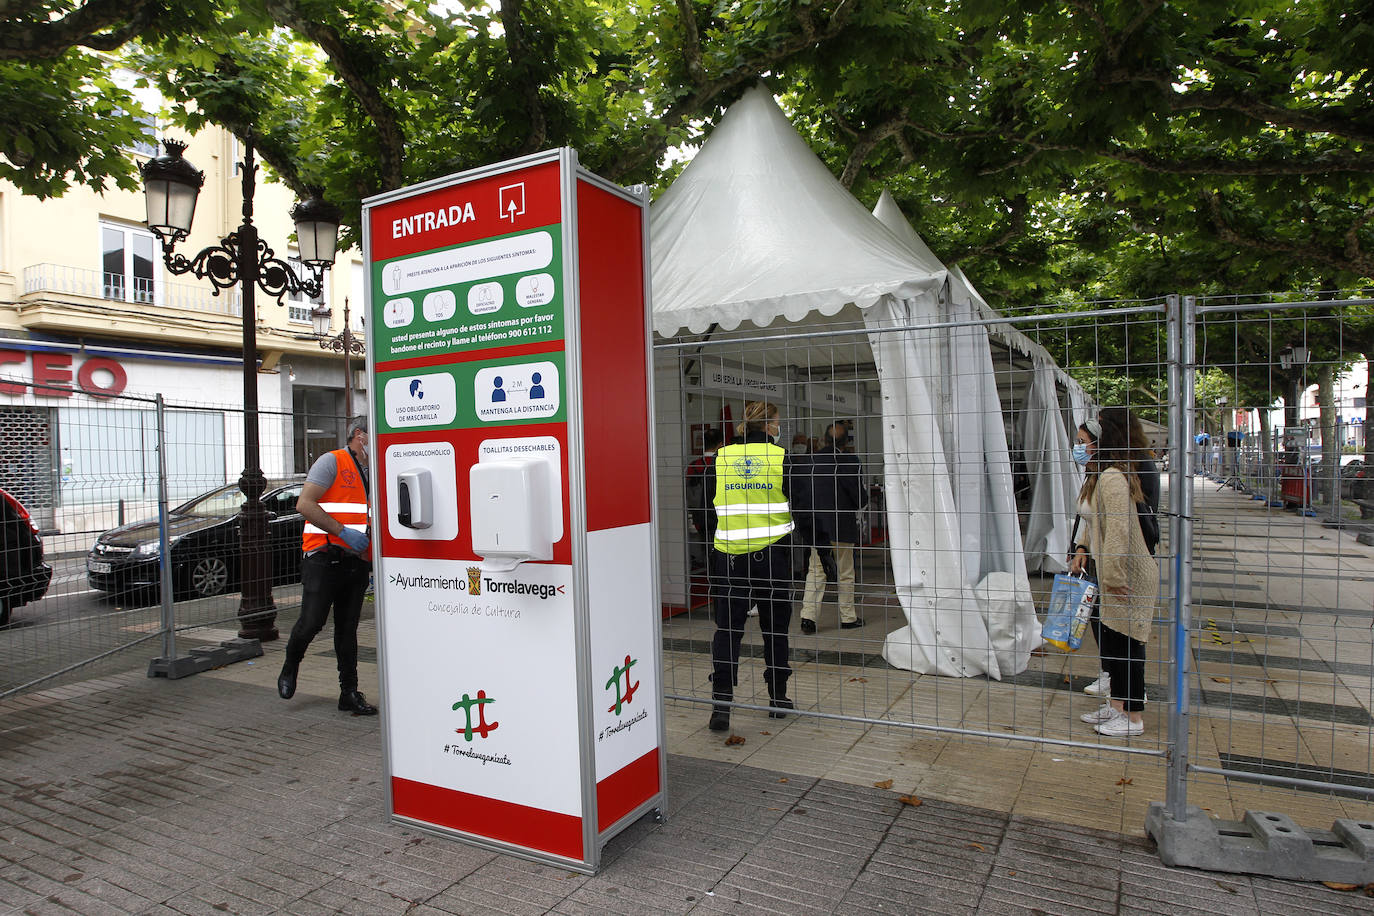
(228, 500)
(221, 502)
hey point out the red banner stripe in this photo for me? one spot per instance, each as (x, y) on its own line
(626, 789)
(519, 825)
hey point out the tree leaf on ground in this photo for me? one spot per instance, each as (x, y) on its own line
(1342, 886)
(911, 800)
(733, 740)
(885, 784)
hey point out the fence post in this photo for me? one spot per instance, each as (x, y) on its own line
(169, 630)
(1182, 347)
(200, 659)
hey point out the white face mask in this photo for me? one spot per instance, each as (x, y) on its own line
(1080, 454)
(800, 449)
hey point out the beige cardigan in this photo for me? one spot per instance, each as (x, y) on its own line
(1118, 548)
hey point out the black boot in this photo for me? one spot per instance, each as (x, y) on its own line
(720, 714)
(286, 681)
(354, 702)
(777, 696)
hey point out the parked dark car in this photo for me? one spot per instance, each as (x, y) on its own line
(203, 536)
(1354, 480)
(24, 577)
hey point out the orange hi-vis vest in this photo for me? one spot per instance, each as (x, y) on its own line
(345, 500)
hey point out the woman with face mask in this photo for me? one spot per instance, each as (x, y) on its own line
(1127, 574)
(751, 557)
(1080, 561)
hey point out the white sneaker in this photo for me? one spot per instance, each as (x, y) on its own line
(1102, 687)
(1120, 726)
(1103, 713)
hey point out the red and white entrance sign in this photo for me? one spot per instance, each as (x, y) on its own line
(514, 515)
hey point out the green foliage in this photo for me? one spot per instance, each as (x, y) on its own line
(65, 123)
(1057, 152)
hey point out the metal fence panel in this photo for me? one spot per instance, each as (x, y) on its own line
(1283, 600)
(819, 375)
(87, 472)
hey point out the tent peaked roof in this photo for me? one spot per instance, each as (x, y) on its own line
(756, 228)
(891, 216)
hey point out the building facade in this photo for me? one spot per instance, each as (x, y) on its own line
(93, 327)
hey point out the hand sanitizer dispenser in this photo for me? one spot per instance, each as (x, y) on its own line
(415, 498)
(510, 509)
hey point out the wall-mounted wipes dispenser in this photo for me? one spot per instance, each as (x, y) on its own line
(510, 512)
(415, 498)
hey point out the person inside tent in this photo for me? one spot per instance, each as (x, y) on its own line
(750, 557)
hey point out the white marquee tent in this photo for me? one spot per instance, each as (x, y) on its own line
(756, 231)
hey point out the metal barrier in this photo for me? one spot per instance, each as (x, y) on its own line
(1260, 687)
(820, 374)
(1277, 620)
(96, 477)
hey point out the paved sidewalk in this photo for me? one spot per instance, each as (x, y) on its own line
(210, 795)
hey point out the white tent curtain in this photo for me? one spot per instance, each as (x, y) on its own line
(980, 466)
(1078, 405)
(1049, 462)
(945, 632)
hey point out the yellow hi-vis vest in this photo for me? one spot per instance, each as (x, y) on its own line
(751, 510)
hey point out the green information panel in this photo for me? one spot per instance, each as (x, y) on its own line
(474, 395)
(495, 292)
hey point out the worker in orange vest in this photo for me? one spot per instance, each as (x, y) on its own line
(337, 565)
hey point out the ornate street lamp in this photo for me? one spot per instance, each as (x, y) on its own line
(344, 342)
(171, 185)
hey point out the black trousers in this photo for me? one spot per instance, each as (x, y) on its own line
(331, 579)
(1123, 658)
(762, 578)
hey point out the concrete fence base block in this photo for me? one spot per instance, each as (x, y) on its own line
(203, 658)
(1265, 843)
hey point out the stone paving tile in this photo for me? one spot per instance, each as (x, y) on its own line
(642, 895)
(117, 895)
(442, 858)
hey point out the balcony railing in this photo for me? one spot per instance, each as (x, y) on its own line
(61, 280)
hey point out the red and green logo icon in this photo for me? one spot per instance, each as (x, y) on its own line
(482, 727)
(626, 696)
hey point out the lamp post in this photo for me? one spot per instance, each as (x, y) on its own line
(171, 185)
(344, 342)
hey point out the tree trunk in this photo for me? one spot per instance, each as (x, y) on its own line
(1329, 471)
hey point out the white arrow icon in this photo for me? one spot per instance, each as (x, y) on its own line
(512, 201)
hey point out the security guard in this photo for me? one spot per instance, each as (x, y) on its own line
(750, 559)
(337, 565)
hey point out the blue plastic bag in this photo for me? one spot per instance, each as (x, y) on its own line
(1071, 605)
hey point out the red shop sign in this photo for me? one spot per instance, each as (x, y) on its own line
(51, 375)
